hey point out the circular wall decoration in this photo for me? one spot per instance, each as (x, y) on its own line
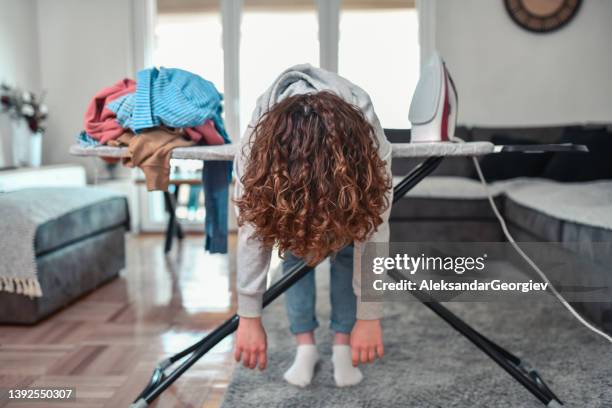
(542, 16)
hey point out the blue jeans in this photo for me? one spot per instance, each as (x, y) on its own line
(300, 298)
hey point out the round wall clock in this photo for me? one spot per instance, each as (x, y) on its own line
(542, 16)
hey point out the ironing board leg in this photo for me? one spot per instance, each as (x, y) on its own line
(171, 229)
(160, 381)
(529, 379)
(179, 229)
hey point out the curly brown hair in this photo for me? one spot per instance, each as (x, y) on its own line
(313, 181)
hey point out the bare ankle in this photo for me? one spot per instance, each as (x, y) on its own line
(342, 338)
(305, 338)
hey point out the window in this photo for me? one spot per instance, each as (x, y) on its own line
(274, 36)
(378, 47)
(379, 51)
(188, 35)
(191, 41)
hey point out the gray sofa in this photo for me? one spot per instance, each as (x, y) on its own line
(75, 253)
(451, 206)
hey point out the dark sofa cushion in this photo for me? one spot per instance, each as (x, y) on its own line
(595, 165)
(506, 166)
(83, 222)
(398, 135)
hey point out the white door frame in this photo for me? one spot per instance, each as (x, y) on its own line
(231, 16)
(328, 13)
(144, 13)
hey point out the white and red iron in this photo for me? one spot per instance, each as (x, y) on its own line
(433, 110)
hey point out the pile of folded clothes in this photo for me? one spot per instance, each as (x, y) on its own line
(163, 109)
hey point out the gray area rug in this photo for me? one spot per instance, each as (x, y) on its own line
(428, 364)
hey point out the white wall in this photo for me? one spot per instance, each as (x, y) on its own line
(19, 63)
(84, 46)
(507, 76)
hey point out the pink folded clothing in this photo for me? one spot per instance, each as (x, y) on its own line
(100, 122)
(206, 132)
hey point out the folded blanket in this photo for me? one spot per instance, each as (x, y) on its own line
(21, 212)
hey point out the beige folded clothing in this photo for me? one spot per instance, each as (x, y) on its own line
(151, 152)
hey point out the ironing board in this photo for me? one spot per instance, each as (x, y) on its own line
(227, 152)
(433, 154)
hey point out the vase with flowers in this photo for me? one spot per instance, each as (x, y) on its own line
(28, 114)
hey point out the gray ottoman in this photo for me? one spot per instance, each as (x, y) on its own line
(75, 253)
(447, 208)
(579, 217)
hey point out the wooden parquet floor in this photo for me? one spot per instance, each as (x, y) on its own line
(107, 343)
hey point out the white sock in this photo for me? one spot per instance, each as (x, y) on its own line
(345, 374)
(301, 371)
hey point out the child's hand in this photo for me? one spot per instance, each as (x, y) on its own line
(366, 341)
(251, 343)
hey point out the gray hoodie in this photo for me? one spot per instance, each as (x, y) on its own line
(254, 260)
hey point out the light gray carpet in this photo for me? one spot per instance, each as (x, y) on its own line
(428, 364)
